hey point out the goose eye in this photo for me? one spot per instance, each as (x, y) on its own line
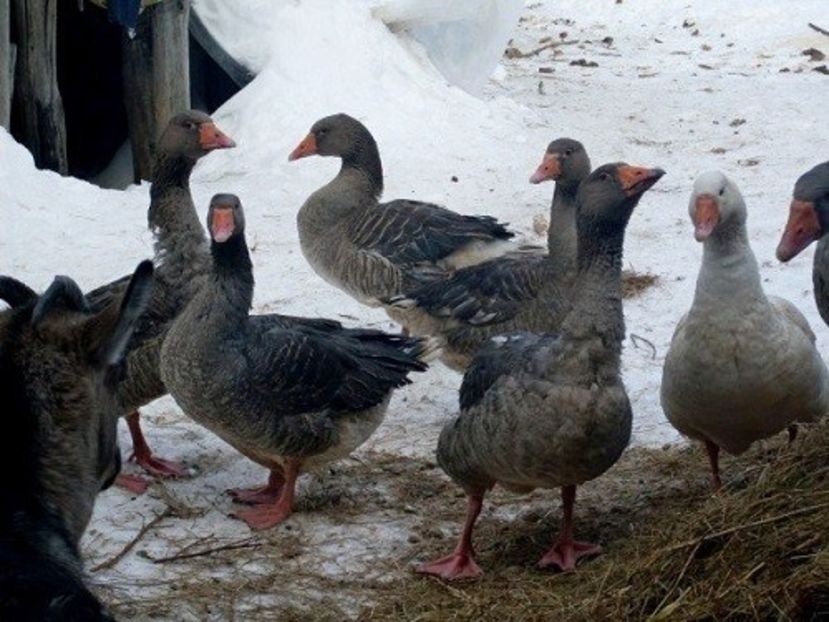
(604, 176)
(568, 152)
(722, 191)
(322, 131)
(189, 125)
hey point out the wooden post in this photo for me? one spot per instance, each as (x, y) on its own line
(37, 103)
(7, 58)
(156, 77)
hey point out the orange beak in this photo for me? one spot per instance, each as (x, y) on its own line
(802, 229)
(706, 217)
(222, 224)
(550, 168)
(635, 179)
(211, 137)
(307, 147)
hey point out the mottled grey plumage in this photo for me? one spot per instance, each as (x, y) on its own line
(375, 250)
(59, 367)
(515, 292)
(305, 390)
(820, 278)
(181, 257)
(550, 410)
(547, 410)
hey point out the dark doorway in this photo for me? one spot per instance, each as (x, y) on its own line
(90, 83)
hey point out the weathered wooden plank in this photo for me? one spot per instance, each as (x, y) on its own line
(7, 58)
(36, 101)
(156, 77)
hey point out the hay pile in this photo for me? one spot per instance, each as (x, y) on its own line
(758, 551)
(635, 283)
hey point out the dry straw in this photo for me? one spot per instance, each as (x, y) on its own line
(758, 551)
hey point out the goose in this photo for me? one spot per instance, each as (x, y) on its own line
(742, 365)
(550, 410)
(374, 250)
(809, 222)
(60, 364)
(183, 261)
(290, 398)
(182, 258)
(517, 291)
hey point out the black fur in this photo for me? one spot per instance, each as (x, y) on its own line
(58, 375)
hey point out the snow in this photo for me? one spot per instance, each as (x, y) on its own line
(240, 27)
(465, 39)
(661, 95)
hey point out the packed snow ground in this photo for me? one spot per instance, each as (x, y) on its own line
(686, 87)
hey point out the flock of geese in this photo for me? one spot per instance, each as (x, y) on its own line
(537, 334)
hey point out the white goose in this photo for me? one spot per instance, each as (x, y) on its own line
(742, 366)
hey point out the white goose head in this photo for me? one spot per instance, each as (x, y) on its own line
(716, 204)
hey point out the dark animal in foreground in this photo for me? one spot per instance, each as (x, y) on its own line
(60, 365)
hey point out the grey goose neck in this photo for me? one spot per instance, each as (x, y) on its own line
(597, 305)
(729, 269)
(232, 282)
(356, 188)
(364, 157)
(172, 213)
(562, 240)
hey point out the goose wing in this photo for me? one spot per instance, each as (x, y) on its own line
(411, 232)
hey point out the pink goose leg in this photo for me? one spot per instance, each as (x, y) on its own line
(714, 458)
(566, 551)
(461, 563)
(269, 493)
(143, 456)
(270, 513)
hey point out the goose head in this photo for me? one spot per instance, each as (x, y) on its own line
(609, 194)
(225, 218)
(337, 135)
(192, 134)
(716, 205)
(565, 161)
(808, 213)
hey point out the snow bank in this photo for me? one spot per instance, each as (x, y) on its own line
(65, 225)
(465, 39)
(240, 27)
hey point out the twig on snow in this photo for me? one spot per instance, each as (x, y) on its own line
(635, 339)
(109, 563)
(822, 31)
(243, 544)
(516, 53)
